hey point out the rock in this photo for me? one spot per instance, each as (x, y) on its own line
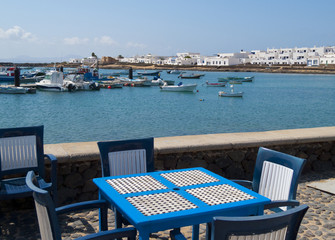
(74, 180)
(236, 156)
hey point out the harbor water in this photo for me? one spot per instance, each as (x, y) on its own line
(270, 102)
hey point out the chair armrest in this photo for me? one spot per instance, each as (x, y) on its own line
(119, 233)
(53, 161)
(101, 204)
(177, 235)
(244, 183)
(283, 203)
(82, 205)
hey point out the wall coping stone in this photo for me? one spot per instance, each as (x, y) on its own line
(88, 151)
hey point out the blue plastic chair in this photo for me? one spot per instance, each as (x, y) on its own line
(126, 157)
(47, 215)
(276, 175)
(21, 150)
(277, 226)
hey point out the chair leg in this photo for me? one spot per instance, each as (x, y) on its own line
(118, 219)
(195, 232)
(208, 230)
(103, 212)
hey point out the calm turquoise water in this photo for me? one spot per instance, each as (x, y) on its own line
(271, 102)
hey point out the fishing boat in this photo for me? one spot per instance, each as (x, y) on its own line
(230, 93)
(174, 71)
(179, 88)
(219, 84)
(191, 75)
(242, 79)
(7, 74)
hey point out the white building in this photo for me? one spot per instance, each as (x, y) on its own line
(328, 59)
(74, 60)
(89, 60)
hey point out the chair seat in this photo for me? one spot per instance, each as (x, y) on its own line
(16, 187)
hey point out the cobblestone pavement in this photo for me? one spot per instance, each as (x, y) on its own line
(319, 222)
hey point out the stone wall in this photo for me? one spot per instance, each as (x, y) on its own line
(231, 155)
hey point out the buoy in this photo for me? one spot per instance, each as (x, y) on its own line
(109, 87)
(197, 90)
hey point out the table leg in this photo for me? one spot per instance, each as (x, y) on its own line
(195, 232)
(143, 235)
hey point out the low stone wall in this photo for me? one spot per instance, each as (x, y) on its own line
(231, 155)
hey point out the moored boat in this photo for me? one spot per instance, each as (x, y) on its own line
(156, 73)
(230, 93)
(15, 90)
(219, 84)
(242, 79)
(179, 88)
(53, 81)
(190, 75)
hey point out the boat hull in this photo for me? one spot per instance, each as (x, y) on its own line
(182, 88)
(13, 90)
(228, 94)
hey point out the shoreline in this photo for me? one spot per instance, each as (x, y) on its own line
(235, 68)
(292, 69)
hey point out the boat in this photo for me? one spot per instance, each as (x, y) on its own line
(156, 73)
(157, 82)
(75, 81)
(242, 79)
(53, 81)
(169, 82)
(32, 76)
(219, 84)
(190, 75)
(14, 90)
(174, 71)
(7, 74)
(235, 82)
(231, 93)
(139, 82)
(179, 88)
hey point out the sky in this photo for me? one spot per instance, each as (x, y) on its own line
(46, 30)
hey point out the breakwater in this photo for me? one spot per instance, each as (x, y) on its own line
(231, 155)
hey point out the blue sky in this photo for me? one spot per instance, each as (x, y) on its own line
(57, 30)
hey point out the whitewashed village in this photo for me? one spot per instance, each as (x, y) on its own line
(314, 56)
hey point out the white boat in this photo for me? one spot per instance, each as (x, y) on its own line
(139, 82)
(175, 71)
(157, 82)
(232, 93)
(179, 88)
(53, 81)
(75, 81)
(13, 90)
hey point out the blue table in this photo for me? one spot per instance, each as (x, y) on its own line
(162, 200)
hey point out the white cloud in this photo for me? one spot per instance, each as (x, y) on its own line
(75, 41)
(136, 45)
(105, 40)
(16, 33)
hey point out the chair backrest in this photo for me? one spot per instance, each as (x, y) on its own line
(45, 209)
(126, 156)
(278, 226)
(21, 150)
(276, 174)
